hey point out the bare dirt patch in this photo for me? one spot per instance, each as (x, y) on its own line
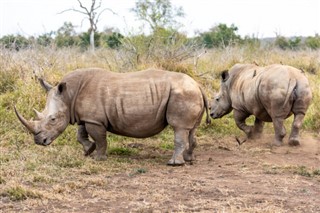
(225, 177)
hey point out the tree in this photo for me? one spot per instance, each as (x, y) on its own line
(284, 43)
(66, 35)
(14, 42)
(92, 15)
(220, 36)
(313, 42)
(45, 39)
(157, 13)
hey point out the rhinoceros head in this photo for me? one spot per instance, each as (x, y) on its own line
(221, 104)
(54, 119)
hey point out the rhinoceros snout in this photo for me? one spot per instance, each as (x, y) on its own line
(213, 115)
(42, 141)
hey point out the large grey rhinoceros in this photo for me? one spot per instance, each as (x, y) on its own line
(137, 104)
(270, 93)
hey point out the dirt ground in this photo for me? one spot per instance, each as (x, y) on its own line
(225, 177)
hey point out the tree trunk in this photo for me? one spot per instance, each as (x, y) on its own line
(92, 40)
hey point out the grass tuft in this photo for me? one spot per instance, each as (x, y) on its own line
(18, 193)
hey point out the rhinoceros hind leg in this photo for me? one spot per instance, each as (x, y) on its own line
(296, 125)
(180, 140)
(257, 129)
(280, 131)
(83, 138)
(188, 153)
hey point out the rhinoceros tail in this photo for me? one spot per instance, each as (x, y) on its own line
(291, 87)
(205, 101)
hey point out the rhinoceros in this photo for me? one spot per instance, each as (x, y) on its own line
(270, 93)
(136, 104)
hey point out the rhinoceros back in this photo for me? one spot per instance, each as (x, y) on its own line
(132, 104)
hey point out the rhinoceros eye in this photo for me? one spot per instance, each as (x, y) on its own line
(217, 99)
(52, 119)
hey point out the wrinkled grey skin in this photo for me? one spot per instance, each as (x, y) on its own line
(138, 104)
(269, 93)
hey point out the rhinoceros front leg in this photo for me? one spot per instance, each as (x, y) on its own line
(98, 134)
(296, 125)
(180, 141)
(240, 119)
(83, 138)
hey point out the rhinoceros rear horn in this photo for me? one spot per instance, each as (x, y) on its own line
(39, 115)
(45, 85)
(28, 124)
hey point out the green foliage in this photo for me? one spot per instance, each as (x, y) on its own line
(14, 42)
(66, 36)
(114, 40)
(164, 47)
(122, 151)
(157, 13)
(313, 42)
(285, 43)
(45, 39)
(84, 39)
(18, 193)
(220, 36)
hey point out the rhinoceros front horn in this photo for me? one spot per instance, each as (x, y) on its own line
(28, 124)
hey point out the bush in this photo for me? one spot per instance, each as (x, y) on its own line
(313, 42)
(220, 36)
(13, 42)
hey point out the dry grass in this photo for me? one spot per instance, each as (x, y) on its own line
(225, 178)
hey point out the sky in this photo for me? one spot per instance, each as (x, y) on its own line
(258, 18)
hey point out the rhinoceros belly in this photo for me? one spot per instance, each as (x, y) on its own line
(138, 121)
(139, 111)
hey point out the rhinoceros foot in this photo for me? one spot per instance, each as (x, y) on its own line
(294, 142)
(175, 162)
(89, 149)
(188, 157)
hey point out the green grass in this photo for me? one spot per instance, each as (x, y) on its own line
(29, 171)
(19, 193)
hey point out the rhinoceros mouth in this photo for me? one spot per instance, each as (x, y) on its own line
(215, 116)
(47, 141)
(43, 141)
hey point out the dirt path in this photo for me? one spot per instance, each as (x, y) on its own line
(253, 177)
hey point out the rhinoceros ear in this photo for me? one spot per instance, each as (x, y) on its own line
(45, 85)
(62, 87)
(224, 75)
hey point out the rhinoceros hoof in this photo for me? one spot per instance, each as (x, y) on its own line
(89, 150)
(175, 162)
(188, 157)
(294, 142)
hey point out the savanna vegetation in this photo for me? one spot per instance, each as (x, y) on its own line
(59, 178)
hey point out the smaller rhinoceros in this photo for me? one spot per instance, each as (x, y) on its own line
(270, 93)
(137, 104)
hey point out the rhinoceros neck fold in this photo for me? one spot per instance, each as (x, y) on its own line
(73, 94)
